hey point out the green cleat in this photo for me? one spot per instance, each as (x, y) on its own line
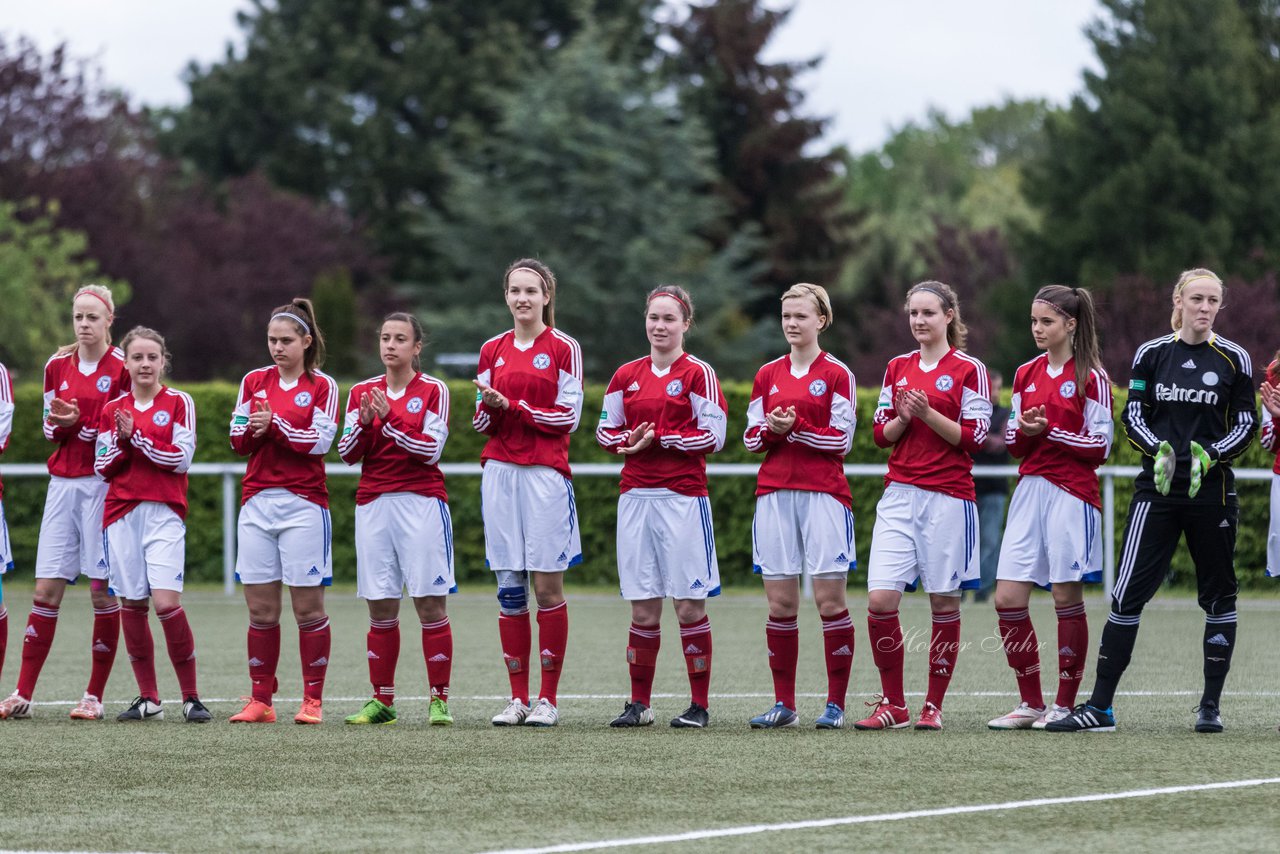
(439, 715)
(374, 712)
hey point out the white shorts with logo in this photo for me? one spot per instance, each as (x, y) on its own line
(1050, 537)
(283, 537)
(146, 550)
(666, 546)
(70, 541)
(797, 531)
(404, 540)
(6, 550)
(1273, 532)
(530, 519)
(923, 536)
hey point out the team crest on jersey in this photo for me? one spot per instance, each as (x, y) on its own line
(414, 406)
(1210, 378)
(542, 361)
(674, 388)
(818, 388)
(302, 398)
(104, 384)
(1068, 389)
(160, 419)
(944, 383)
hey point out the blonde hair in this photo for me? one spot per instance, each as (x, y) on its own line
(103, 293)
(817, 293)
(142, 332)
(957, 332)
(1187, 277)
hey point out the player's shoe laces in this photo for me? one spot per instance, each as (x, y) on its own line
(1023, 717)
(255, 712)
(143, 709)
(633, 715)
(513, 715)
(15, 707)
(1209, 719)
(776, 718)
(694, 717)
(831, 718)
(310, 713)
(195, 712)
(88, 709)
(374, 712)
(930, 718)
(1051, 714)
(885, 716)
(1085, 718)
(543, 714)
(438, 713)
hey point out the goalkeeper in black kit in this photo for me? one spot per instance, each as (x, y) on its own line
(1191, 410)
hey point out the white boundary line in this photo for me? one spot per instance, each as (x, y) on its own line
(747, 830)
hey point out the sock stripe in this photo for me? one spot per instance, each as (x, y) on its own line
(782, 626)
(317, 625)
(436, 626)
(837, 626)
(1121, 620)
(45, 611)
(385, 625)
(1220, 619)
(701, 627)
(650, 632)
(553, 608)
(170, 614)
(946, 617)
(1070, 611)
(263, 627)
(1012, 615)
(103, 612)
(883, 616)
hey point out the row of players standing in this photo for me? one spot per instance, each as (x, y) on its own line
(663, 413)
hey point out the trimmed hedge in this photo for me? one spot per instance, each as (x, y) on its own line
(731, 497)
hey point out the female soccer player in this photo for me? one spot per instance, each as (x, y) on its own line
(1191, 409)
(1060, 426)
(1270, 394)
(934, 411)
(146, 439)
(284, 422)
(664, 413)
(397, 424)
(529, 401)
(801, 417)
(6, 553)
(78, 382)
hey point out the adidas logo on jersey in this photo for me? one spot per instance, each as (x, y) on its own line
(313, 571)
(692, 649)
(773, 390)
(439, 580)
(260, 393)
(1031, 388)
(1224, 524)
(900, 383)
(322, 661)
(255, 662)
(1219, 640)
(634, 387)
(373, 656)
(501, 361)
(1189, 364)
(1066, 650)
(697, 584)
(439, 656)
(844, 650)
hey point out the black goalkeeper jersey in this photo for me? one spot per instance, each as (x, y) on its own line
(1180, 393)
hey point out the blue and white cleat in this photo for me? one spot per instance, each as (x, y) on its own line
(831, 718)
(778, 716)
(1085, 718)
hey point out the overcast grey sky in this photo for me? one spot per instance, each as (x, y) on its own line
(885, 62)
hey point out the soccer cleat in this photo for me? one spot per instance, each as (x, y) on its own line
(310, 713)
(1051, 714)
(1085, 718)
(374, 712)
(694, 717)
(543, 714)
(88, 709)
(633, 715)
(831, 718)
(1209, 719)
(143, 709)
(930, 718)
(438, 714)
(255, 712)
(15, 707)
(885, 716)
(1023, 717)
(513, 715)
(195, 712)
(776, 718)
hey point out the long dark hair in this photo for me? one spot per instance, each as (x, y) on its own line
(543, 272)
(1077, 304)
(304, 315)
(957, 332)
(414, 324)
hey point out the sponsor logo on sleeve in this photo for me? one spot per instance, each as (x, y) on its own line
(1138, 385)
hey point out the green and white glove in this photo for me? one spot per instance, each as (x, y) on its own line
(1201, 462)
(1165, 461)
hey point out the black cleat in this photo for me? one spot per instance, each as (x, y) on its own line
(1209, 719)
(633, 715)
(1085, 718)
(694, 717)
(143, 709)
(195, 712)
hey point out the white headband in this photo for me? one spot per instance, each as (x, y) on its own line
(298, 320)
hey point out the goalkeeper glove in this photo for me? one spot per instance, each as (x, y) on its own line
(1165, 462)
(1201, 462)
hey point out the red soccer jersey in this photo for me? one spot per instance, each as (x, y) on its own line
(957, 388)
(290, 455)
(810, 457)
(543, 384)
(689, 414)
(1268, 435)
(1078, 438)
(6, 413)
(399, 453)
(152, 465)
(90, 385)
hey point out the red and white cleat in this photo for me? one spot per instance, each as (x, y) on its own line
(930, 718)
(15, 707)
(88, 709)
(885, 716)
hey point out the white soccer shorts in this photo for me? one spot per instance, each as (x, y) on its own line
(283, 537)
(1050, 537)
(797, 531)
(1273, 533)
(404, 540)
(666, 546)
(530, 519)
(70, 541)
(146, 550)
(6, 550)
(926, 537)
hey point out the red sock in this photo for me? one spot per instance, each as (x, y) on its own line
(885, 634)
(4, 634)
(141, 649)
(553, 638)
(516, 636)
(782, 639)
(41, 625)
(1073, 644)
(313, 647)
(643, 644)
(1023, 652)
(437, 649)
(264, 656)
(696, 640)
(944, 649)
(106, 636)
(383, 642)
(837, 642)
(182, 649)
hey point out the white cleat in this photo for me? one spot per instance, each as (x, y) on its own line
(15, 707)
(543, 714)
(1023, 717)
(513, 715)
(88, 709)
(1051, 714)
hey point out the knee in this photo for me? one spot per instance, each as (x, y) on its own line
(1006, 599)
(431, 609)
(513, 600)
(690, 610)
(883, 601)
(101, 596)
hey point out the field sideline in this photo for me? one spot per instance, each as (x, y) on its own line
(169, 786)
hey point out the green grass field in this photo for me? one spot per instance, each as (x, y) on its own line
(169, 786)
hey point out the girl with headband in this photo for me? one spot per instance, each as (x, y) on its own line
(664, 414)
(529, 400)
(6, 550)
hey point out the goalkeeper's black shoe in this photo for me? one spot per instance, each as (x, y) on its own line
(1209, 719)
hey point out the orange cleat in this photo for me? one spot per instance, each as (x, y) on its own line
(255, 712)
(310, 713)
